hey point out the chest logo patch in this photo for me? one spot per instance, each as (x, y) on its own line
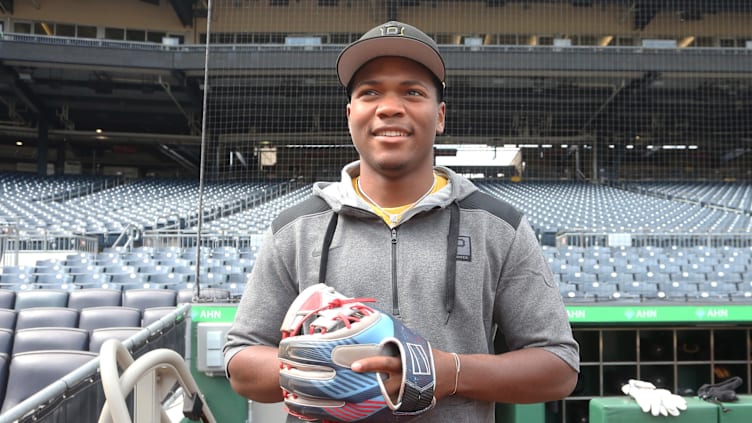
(464, 249)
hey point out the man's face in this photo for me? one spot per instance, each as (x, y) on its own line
(394, 116)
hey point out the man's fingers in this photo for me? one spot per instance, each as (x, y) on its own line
(378, 363)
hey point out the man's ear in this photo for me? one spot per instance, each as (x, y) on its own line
(440, 119)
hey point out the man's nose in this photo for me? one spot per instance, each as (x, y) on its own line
(390, 104)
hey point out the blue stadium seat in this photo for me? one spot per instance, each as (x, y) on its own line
(142, 299)
(153, 314)
(91, 280)
(104, 317)
(46, 316)
(6, 341)
(168, 280)
(100, 335)
(4, 364)
(601, 291)
(26, 376)
(50, 338)
(15, 281)
(94, 297)
(41, 298)
(8, 318)
(7, 298)
(681, 291)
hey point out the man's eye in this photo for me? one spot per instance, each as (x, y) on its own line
(414, 92)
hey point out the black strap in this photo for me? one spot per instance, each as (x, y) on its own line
(720, 392)
(328, 236)
(451, 260)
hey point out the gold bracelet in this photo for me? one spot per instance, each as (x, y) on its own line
(457, 366)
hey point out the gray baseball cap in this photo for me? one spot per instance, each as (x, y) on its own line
(390, 39)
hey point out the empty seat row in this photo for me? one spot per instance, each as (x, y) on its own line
(92, 297)
(678, 291)
(89, 318)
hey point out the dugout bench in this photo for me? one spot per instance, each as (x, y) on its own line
(625, 410)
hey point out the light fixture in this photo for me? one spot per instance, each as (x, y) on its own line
(98, 130)
(19, 143)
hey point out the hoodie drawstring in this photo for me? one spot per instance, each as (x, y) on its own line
(451, 259)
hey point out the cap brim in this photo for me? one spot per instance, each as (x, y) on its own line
(361, 52)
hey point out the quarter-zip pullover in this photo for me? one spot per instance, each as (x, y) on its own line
(459, 265)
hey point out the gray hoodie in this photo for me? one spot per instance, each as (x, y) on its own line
(459, 265)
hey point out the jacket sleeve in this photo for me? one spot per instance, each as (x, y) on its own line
(529, 307)
(269, 291)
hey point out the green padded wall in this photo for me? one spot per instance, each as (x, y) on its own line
(625, 410)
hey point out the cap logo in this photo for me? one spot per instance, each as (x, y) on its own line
(393, 30)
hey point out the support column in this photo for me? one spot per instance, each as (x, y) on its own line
(43, 146)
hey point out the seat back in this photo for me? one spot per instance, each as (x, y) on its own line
(105, 317)
(4, 363)
(8, 318)
(153, 314)
(41, 298)
(26, 376)
(7, 299)
(6, 340)
(47, 316)
(147, 298)
(49, 338)
(94, 297)
(99, 335)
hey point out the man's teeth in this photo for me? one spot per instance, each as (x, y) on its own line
(392, 134)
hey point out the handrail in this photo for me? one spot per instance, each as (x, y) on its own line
(144, 45)
(168, 363)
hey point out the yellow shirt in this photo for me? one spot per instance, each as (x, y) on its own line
(392, 215)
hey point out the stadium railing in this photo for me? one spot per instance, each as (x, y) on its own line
(78, 396)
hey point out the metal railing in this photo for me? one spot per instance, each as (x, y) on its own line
(82, 190)
(51, 242)
(143, 45)
(8, 244)
(588, 238)
(77, 389)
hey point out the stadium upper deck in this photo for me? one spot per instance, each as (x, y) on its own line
(594, 73)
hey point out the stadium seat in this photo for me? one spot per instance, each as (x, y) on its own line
(602, 291)
(94, 297)
(7, 299)
(8, 318)
(26, 376)
(52, 279)
(153, 314)
(168, 280)
(41, 298)
(46, 316)
(6, 341)
(48, 338)
(14, 281)
(639, 290)
(146, 298)
(91, 280)
(106, 317)
(100, 335)
(4, 364)
(679, 290)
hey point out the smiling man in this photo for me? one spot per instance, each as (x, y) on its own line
(452, 264)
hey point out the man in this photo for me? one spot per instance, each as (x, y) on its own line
(451, 263)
